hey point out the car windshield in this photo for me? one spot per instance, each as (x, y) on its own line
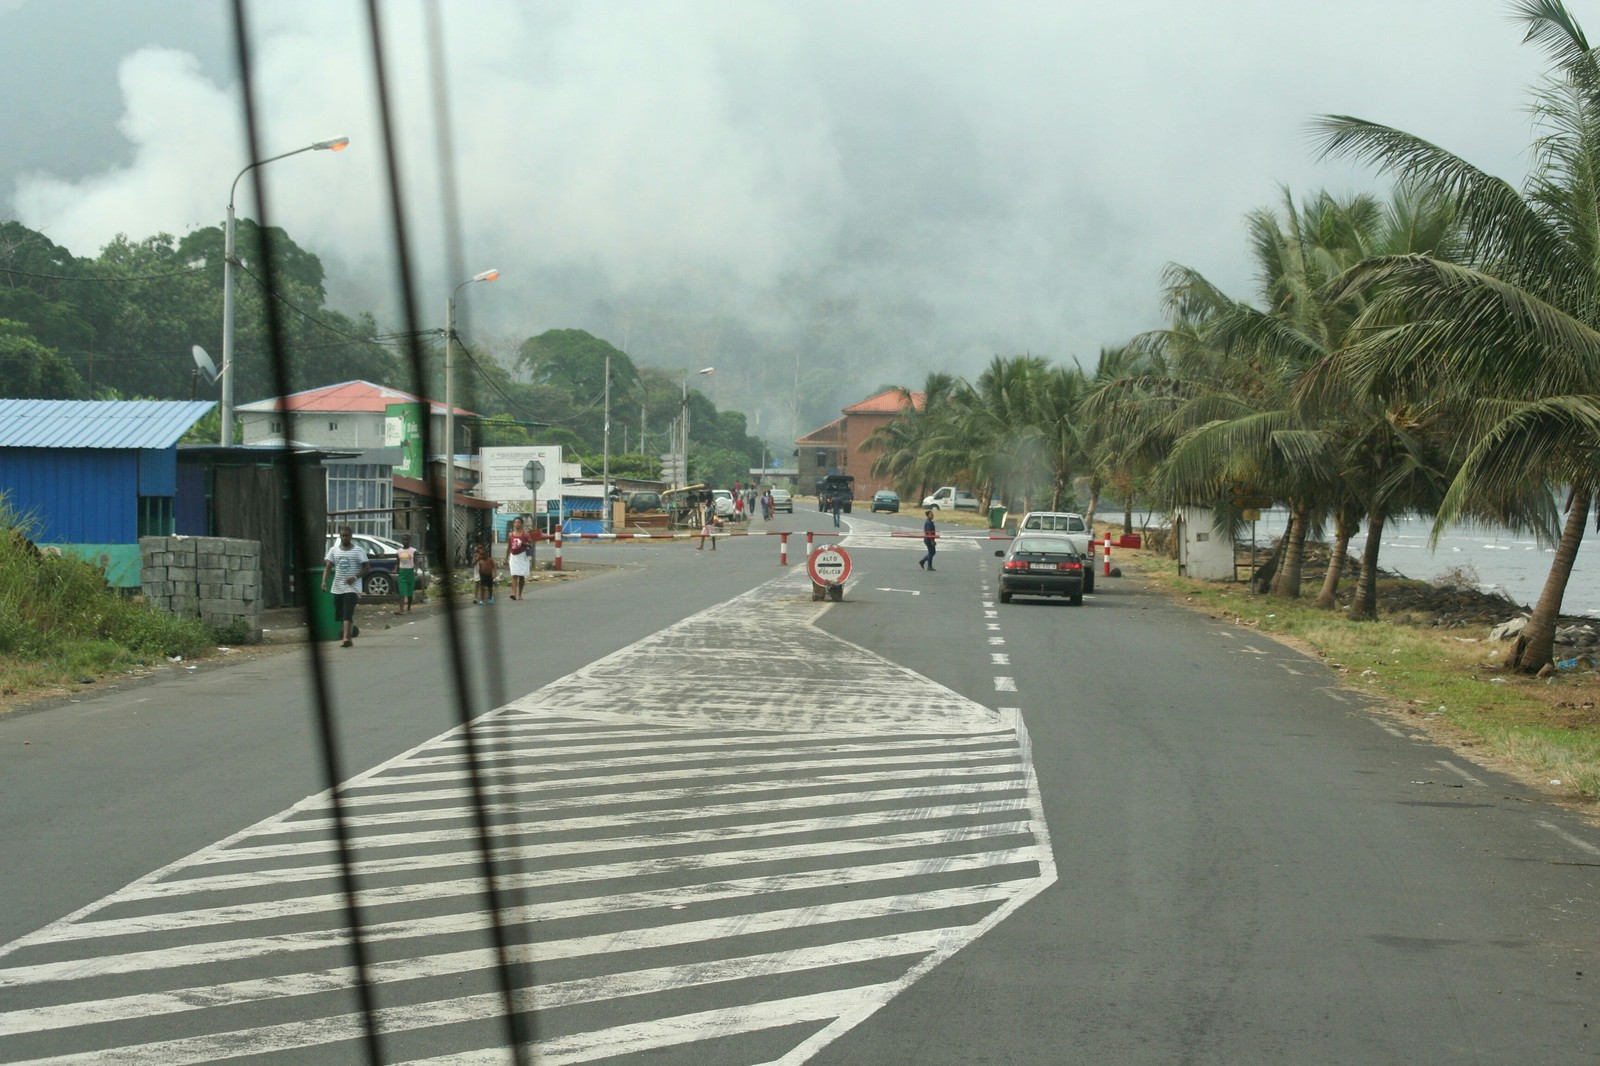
(1066, 523)
(1043, 546)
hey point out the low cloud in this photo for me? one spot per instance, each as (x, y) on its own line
(865, 192)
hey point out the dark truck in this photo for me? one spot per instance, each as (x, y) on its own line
(835, 485)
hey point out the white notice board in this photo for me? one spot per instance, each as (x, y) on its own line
(501, 477)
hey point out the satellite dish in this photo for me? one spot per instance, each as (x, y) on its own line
(203, 363)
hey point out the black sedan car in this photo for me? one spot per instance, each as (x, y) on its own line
(886, 500)
(1041, 565)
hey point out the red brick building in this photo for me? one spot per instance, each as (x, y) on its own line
(840, 446)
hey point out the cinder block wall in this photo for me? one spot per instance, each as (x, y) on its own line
(217, 578)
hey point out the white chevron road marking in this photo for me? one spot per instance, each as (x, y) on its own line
(705, 865)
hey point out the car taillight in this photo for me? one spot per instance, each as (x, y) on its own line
(1069, 566)
(1015, 564)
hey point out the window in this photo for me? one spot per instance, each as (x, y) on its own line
(366, 490)
(333, 425)
(155, 516)
(275, 426)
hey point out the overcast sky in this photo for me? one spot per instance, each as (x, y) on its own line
(984, 178)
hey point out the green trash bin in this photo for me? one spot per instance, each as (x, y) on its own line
(324, 624)
(997, 516)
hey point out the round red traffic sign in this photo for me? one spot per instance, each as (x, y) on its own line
(829, 566)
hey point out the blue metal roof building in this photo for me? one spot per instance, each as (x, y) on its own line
(95, 475)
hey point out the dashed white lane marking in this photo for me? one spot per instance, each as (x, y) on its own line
(998, 658)
(1577, 842)
(1289, 669)
(991, 614)
(1253, 650)
(1453, 768)
(1391, 730)
(997, 640)
(1005, 684)
(700, 866)
(992, 625)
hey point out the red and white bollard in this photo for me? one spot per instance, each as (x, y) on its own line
(783, 549)
(558, 546)
(809, 535)
(1107, 571)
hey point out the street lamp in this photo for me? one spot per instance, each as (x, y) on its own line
(450, 418)
(683, 423)
(229, 259)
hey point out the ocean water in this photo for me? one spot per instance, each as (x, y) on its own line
(1494, 559)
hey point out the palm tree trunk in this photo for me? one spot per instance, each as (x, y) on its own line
(1127, 514)
(1344, 528)
(1364, 608)
(1287, 583)
(1534, 644)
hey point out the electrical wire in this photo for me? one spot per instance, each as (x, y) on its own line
(302, 312)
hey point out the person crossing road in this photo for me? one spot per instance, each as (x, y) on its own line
(930, 534)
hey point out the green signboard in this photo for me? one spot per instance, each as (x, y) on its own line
(402, 428)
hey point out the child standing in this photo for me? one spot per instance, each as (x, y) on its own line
(483, 592)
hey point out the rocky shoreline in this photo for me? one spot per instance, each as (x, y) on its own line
(1455, 606)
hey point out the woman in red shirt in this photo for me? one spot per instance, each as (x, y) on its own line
(519, 557)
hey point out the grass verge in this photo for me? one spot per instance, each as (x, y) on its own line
(1448, 682)
(61, 625)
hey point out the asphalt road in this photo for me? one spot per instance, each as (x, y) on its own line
(737, 826)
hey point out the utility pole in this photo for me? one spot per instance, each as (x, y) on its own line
(605, 456)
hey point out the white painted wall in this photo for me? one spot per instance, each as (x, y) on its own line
(1203, 553)
(355, 430)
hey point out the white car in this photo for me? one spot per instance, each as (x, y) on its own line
(782, 501)
(722, 501)
(1063, 522)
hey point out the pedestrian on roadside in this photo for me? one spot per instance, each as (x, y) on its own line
(738, 507)
(766, 505)
(930, 537)
(708, 530)
(342, 570)
(483, 566)
(519, 558)
(405, 573)
(836, 504)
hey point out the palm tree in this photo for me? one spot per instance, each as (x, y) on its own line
(903, 443)
(1513, 335)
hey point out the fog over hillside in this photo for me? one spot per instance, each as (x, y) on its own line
(816, 198)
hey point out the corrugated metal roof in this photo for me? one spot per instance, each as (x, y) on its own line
(98, 423)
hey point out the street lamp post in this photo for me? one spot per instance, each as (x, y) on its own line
(229, 260)
(450, 419)
(683, 423)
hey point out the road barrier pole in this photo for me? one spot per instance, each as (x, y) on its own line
(558, 546)
(783, 549)
(1107, 571)
(808, 543)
